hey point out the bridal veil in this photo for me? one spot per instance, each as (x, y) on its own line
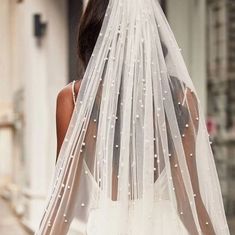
(137, 157)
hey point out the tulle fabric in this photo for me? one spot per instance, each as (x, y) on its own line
(166, 220)
(136, 158)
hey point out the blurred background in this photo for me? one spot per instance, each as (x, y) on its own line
(38, 57)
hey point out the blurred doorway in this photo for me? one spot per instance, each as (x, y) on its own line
(74, 14)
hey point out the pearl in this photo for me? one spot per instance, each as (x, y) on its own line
(64, 215)
(59, 196)
(181, 213)
(116, 145)
(68, 187)
(86, 172)
(183, 135)
(63, 185)
(94, 136)
(176, 165)
(83, 144)
(66, 221)
(187, 125)
(191, 155)
(169, 155)
(155, 155)
(207, 223)
(197, 118)
(82, 204)
(100, 34)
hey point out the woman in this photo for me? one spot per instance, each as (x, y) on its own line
(133, 151)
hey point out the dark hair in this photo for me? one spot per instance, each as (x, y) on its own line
(89, 29)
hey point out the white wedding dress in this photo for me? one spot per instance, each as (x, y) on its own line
(166, 220)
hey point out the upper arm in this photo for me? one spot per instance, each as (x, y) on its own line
(64, 111)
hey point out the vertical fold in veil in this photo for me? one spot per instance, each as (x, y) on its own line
(136, 158)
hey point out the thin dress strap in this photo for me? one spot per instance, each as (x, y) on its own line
(74, 94)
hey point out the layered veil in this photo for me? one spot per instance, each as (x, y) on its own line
(136, 158)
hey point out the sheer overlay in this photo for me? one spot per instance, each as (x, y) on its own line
(136, 158)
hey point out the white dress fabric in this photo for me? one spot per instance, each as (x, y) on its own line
(136, 159)
(166, 220)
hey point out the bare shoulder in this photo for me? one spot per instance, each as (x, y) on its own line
(65, 95)
(64, 111)
(65, 103)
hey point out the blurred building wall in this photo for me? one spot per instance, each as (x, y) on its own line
(5, 95)
(221, 93)
(33, 70)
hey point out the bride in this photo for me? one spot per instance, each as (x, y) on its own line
(134, 157)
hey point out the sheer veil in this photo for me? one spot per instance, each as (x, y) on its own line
(137, 155)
